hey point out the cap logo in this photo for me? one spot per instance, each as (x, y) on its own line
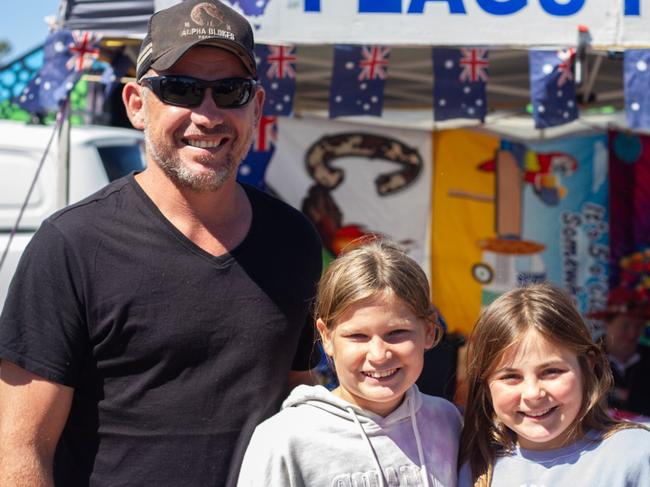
(202, 13)
(205, 15)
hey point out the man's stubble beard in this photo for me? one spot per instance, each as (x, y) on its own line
(168, 159)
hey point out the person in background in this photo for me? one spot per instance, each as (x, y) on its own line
(152, 326)
(536, 411)
(375, 320)
(624, 319)
(440, 372)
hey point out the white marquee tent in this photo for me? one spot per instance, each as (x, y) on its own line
(411, 27)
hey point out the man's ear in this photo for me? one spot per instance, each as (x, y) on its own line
(258, 101)
(134, 104)
(325, 336)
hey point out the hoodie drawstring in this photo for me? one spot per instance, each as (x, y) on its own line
(382, 480)
(423, 466)
(424, 475)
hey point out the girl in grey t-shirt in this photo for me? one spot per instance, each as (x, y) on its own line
(536, 412)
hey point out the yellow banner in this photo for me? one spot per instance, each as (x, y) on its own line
(463, 214)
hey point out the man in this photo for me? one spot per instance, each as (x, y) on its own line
(624, 318)
(152, 326)
(629, 359)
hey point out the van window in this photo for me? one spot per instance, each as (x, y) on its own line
(120, 160)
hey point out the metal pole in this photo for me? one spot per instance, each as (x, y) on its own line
(63, 156)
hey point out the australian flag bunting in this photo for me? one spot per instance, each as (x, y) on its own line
(114, 71)
(552, 87)
(276, 69)
(636, 74)
(67, 55)
(460, 76)
(253, 168)
(358, 77)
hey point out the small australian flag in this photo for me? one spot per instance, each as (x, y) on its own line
(552, 87)
(252, 170)
(276, 68)
(67, 55)
(358, 77)
(636, 71)
(460, 76)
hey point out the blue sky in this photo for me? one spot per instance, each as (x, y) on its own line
(23, 25)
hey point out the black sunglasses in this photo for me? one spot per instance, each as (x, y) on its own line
(188, 92)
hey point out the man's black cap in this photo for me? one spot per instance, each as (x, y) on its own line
(174, 30)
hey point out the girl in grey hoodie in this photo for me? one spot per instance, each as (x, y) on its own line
(376, 429)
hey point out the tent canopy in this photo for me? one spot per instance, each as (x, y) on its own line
(411, 27)
(503, 23)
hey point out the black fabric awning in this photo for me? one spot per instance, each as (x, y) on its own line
(118, 18)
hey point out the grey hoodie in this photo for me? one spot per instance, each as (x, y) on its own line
(320, 440)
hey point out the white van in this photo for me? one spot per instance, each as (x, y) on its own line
(98, 155)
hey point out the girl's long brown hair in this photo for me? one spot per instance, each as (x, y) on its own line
(551, 312)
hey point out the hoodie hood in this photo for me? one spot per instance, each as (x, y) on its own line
(367, 423)
(320, 397)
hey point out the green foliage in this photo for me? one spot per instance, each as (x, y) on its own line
(78, 103)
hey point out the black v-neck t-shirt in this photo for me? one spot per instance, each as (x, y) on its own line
(174, 355)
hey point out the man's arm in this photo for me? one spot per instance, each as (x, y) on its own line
(298, 377)
(33, 413)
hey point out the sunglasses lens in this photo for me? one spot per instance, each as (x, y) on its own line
(182, 92)
(188, 92)
(230, 93)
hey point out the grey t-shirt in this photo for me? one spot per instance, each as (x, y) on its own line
(622, 460)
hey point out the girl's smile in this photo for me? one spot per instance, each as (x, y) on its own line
(380, 375)
(536, 391)
(538, 414)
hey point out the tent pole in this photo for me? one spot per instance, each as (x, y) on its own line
(63, 155)
(589, 86)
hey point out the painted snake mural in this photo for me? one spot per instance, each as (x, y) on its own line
(319, 204)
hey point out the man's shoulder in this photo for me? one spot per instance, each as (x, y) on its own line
(263, 201)
(78, 223)
(103, 202)
(278, 216)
